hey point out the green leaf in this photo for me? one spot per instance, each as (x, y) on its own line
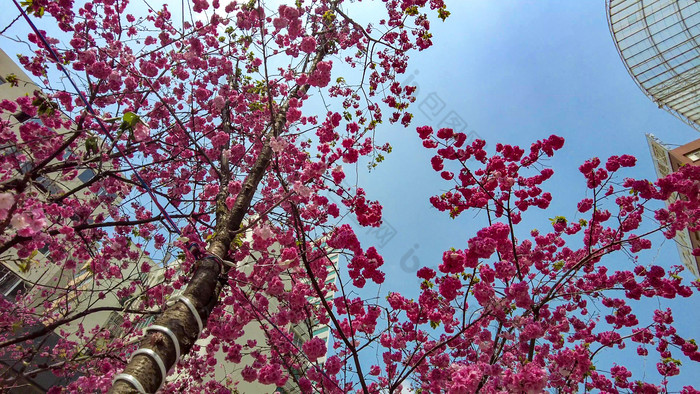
(12, 79)
(443, 13)
(412, 10)
(25, 265)
(44, 106)
(29, 7)
(91, 145)
(329, 16)
(130, 119)
(558, 220)
(238, 240)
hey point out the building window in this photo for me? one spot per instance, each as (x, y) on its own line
(694, 155)
(298, 339)
(67, 153)
(48, 186)
(10, 283)
(114, 324)
(22, 117)
(86, 175)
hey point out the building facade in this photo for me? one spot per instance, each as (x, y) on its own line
(667, 160)
(55, 291)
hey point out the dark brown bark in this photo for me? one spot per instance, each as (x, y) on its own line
(203, 290)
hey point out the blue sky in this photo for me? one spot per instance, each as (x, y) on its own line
(518, 71)
(515, 71)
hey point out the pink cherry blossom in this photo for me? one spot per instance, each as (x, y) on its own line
(202, 136)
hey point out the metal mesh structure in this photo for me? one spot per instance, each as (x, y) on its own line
(659, 42)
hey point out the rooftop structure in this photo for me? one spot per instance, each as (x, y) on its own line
(659, 43)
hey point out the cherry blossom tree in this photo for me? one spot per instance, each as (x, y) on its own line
(197, 125)
(516, 308)
(203, 139)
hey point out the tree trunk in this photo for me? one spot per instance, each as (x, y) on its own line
(209, 275)
(203, 290)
